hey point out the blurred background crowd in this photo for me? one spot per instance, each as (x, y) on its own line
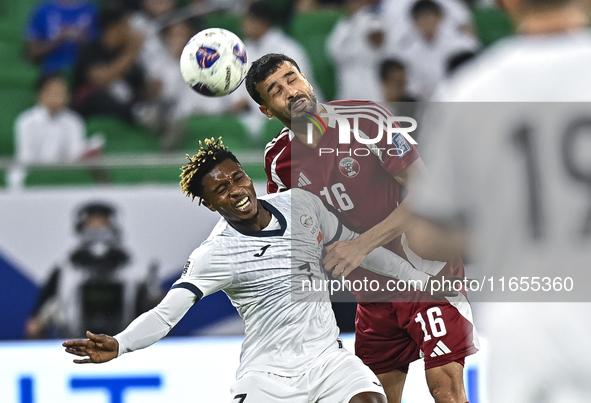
(84, 78)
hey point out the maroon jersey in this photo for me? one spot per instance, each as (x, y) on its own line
(356, 179)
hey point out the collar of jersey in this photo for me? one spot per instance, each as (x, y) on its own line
(276, 232)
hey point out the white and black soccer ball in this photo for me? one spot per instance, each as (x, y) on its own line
(214, 62)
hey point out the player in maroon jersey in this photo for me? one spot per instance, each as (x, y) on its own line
(364, 184)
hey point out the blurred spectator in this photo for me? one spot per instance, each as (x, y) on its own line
(50, 132)
(94, 288)
(108, 78)
(262, 37)
(56, 31)
(457, 16)
(398, 101)
(426, 49)
(148, 21)
(356, 46)
(393, 79)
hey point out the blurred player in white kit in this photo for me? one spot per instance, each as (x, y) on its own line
(510, 185)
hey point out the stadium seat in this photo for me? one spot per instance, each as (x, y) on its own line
(311, 30)
(123, 137)
(491, 24)
(12, 103)
(228, 127)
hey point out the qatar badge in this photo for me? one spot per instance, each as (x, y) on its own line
(349, 167)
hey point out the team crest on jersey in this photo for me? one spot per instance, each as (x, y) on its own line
(306, 220)
(188, 267)
(349, 167)
(400, 142)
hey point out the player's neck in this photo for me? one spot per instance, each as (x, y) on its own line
(257, 223)
(552, 21)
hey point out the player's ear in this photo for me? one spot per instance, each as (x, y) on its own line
(208, 205)
(265, 111)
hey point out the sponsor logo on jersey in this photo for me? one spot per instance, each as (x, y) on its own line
(263, 250)
(400, 142)
(303, 180)
(188, 267)
(349, 167)
(440, 349)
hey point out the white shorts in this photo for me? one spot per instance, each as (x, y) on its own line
(336, 377)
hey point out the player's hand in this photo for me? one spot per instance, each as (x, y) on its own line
(345, 256)
(443, 286)
(98, 348)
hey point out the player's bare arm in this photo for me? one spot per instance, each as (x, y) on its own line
(349, 254)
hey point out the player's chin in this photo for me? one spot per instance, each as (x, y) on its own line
(247, 210)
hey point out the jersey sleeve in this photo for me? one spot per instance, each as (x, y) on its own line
(278, 163)
(204, 273)
(153, 325)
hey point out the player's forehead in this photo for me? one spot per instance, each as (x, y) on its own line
(277, 76)
(223, 172)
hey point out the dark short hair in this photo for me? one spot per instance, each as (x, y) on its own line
(425, 6)
(211, 153)
(47, 77)
(263, 68)
(111, 16)
(262, 11)
(389, 65)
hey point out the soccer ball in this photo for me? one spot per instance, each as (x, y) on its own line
(213, 62)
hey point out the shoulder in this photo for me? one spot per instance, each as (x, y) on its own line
(280, 197)
(30, 113)
(279, 143)
(355, 105)
(73, 118)
(30, 116)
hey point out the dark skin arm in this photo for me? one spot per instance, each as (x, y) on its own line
(98, 348)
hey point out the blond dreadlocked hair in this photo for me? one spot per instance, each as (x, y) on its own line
(209, 156)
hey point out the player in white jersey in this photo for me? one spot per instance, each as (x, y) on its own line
(513, 177)
(261, 254)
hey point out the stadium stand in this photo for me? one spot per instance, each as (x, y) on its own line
(17, 79)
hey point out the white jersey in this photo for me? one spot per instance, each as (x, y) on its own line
(255, 271)
(268, 275)
(517, 172)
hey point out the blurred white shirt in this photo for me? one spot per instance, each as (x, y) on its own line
(43, 138)
(356, 60)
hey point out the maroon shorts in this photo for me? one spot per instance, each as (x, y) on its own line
(391, 335)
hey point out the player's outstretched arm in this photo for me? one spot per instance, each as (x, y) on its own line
(98, 348)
